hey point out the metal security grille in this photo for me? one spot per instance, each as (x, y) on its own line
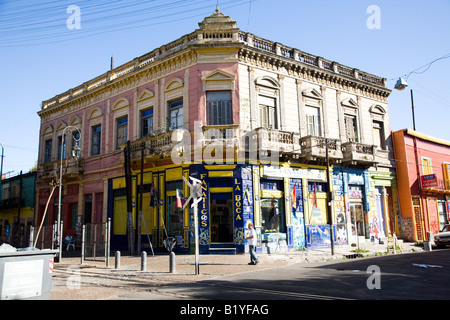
(418, 217)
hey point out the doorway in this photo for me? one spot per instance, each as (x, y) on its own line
(221, 220)
(357, 216)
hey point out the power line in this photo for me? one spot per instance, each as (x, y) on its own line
(102, 18)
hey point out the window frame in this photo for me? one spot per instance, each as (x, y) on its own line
(121, 139)
(95, 134)
(220, 108)
(146, 118)
(174, 105)
(48, 146)
(268, 113)
(316, 125)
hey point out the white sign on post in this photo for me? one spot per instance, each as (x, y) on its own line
(195, 196)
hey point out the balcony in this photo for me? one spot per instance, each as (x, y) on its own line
(228, 135)
(157, 145)
(314, 148)
(358, 153)
(71, 168)
(265, 140)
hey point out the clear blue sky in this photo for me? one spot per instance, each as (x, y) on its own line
(41, 57)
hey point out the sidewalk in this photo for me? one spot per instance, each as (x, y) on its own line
(93, 280)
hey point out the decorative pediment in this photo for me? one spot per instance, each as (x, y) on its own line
(61, 125)
(174, 84)
(218, 75)
(75, 121)
(48, 129)
(146, 94)
(218, 80)
(267, 81)
(349, 102)
(121, 103)
(312, 93)
(377, 109)
(95, 113)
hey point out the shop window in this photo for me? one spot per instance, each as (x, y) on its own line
(174, 217)
(271, 185)
(317, 186)
(272, 216)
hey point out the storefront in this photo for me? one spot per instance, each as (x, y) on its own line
(351, 204)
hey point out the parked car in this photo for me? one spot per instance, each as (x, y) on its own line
(443, 238)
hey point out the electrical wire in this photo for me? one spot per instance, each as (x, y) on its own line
(98, 18)
(426, 66)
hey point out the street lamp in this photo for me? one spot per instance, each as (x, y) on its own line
(76, 152)
(401, 85)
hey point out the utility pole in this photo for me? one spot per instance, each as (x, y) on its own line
(330, 218)
(128, 187)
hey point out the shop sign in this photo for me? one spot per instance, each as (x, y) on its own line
(299, 173)
(429, 181)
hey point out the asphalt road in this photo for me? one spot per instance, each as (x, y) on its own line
(415, 276)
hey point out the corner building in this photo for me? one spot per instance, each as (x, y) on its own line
(250, 118)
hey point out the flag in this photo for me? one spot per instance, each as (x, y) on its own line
(314, 199)
(294, 198)
(152, 196)
(180, 199)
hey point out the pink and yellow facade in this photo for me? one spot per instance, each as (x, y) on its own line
(423, 168)
(255, 114)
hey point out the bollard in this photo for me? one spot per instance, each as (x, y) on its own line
(172, 262)
(117, 265)
(144, 261)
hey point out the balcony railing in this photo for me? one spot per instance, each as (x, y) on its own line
(228, 135)
(70, 168)
(355, 152)
(263, 139)
(315, 147)
(157, 144)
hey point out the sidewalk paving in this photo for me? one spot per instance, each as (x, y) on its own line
(92, 280)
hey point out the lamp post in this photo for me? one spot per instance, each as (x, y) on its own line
(76, 150)
(1, 172)
(401, 85)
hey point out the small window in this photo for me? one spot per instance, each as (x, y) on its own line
(122, 131)
(76, 139)
(378, 135)
(63, 140)
(219, 107)
(96, 138)
(176, 114)
(146, 122)
(426, 166)
(268, 112)
(313, 127)
(351, 129)
(48, 150)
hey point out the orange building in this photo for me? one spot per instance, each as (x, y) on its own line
(423, 180)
